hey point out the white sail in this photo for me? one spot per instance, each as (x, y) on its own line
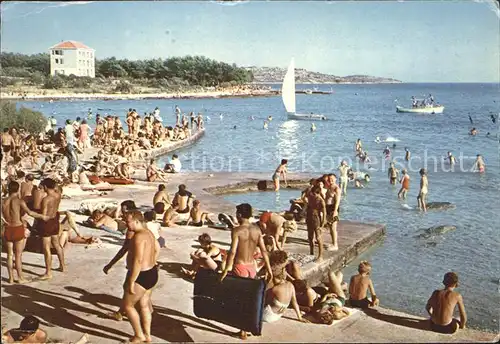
(288, 88)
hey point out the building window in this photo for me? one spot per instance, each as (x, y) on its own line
(57, 52)
(61, 61)
(57, 61)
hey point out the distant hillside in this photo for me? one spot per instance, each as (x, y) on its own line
(302, 76)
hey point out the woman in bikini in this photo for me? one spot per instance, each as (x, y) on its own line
(208, 256)
(479, 164)
(282, 294)
(281, 171)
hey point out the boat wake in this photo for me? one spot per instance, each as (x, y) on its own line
(391, 139)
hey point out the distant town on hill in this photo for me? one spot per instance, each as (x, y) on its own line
(271, 75)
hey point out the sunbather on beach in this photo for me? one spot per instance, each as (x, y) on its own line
(330, 306)
(197, 217)
(208, 256)
(359, 286)
(122, 170)
(162, 196)
(282, 293)
(103, 221)
(180, 205)
(28, 332)
(153, 173)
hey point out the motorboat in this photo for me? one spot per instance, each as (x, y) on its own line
(429, 109)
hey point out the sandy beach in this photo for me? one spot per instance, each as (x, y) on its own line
(47, 95)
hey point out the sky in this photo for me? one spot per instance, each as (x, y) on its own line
(413, 41)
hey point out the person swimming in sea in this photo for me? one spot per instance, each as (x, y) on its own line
(473, 132)
(387, 152)
(266, 125)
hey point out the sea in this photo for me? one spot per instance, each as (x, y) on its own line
(407, 266)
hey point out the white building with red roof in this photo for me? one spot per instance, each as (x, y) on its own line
(71, 57)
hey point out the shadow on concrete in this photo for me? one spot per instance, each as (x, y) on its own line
(4, 262)
(109, 239)
(419, 324)
(29, 300)
(164, 326)
(299, 241)
(174, 268)
(221, 243)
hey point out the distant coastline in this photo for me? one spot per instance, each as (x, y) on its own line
(275, 75)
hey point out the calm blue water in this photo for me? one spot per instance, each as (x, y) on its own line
(405, 269)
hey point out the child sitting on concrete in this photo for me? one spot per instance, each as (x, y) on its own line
(441, 305)
(197, 217)
(359, 285)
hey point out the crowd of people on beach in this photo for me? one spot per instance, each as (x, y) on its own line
(258, 243)
(73, 154)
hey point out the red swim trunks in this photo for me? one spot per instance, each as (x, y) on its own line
(265, 217)
(14, 233)
(50, 227)
(245, 270)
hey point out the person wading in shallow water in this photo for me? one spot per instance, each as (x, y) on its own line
(281, 171)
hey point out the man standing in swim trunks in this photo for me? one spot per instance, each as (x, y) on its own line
(7, 144)
(424, 188)
(315, 220)
(332, 201)
(441, 305)
(244, 240)
(344, 179)
(142, 276)
(49, 229)
(13, 208)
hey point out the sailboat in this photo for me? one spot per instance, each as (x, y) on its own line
(288, 96)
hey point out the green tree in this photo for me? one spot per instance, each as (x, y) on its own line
(53, 82)
(33, 121)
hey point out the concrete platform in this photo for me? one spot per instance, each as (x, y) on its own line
(77, 301)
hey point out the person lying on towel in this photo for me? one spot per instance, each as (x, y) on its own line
(282, 294)
(102, 221)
